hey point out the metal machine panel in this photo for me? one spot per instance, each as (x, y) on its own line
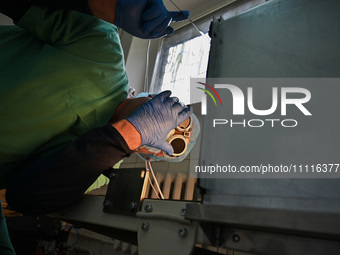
(280, 39)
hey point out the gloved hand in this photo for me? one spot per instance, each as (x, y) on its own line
(154, 120)
(146, 19)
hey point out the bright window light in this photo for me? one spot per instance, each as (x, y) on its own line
(184, 61)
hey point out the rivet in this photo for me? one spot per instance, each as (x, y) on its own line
(148, 208)
(133, 206)
(107, 204)
(236, 238)
(182, 232)
(145, 226)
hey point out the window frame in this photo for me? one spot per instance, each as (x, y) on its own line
(188, 32)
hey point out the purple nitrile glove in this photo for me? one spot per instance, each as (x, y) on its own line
(146, 19)
(154, 120)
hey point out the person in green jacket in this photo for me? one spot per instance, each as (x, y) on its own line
(61, 80)
(63, 76)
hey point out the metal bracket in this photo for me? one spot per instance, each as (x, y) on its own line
(130, 180)
(163, 228)
(267, 231)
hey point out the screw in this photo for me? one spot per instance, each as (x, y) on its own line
(112, 175)
(182, 232)
(183, 212)
(133, 206)
(148, 208)
(107, 204)
(145, 226)
(236, 238)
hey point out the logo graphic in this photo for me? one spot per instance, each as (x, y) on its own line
(204, 97)
(239, 99)
(243, 105)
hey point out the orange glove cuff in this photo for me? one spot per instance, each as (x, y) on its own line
(130, 134)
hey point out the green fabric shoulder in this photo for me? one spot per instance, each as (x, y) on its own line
(62, 74)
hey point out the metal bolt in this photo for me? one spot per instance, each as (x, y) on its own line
(183, 212)
(145, 226)
(148, 208)
(236, 238)
(112, 175)
(182, 232)
(133, 206)
(107, 203)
